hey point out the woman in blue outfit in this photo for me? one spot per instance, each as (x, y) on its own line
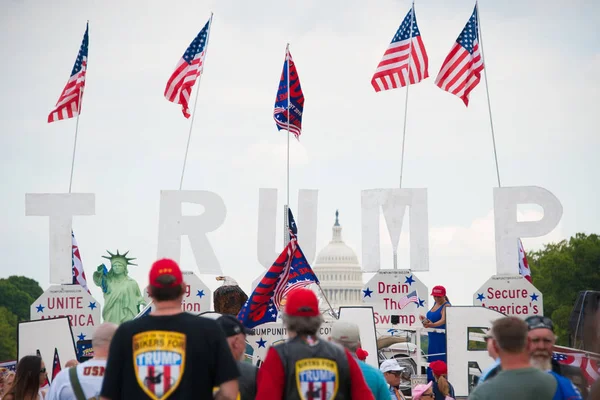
(436, 318)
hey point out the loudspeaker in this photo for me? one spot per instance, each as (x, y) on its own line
(584, 322)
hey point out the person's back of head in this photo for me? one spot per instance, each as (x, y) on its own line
(510, 335)
(301, 315)
(165, 281)
(27, 378)
(102, 337)
(346, 334)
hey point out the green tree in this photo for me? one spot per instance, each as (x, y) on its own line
(8, 335)
(560, 271)
(27, 285)
(16, 300)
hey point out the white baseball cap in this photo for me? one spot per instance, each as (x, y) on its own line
(390, 365)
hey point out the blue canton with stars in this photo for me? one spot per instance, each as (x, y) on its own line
(403, 31)
(197, 46)
(468, 36)
(83, 52)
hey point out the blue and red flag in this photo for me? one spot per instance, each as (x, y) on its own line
(290, 271)
(289, 109)
(56, 364)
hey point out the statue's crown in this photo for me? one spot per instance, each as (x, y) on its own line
(118, 256)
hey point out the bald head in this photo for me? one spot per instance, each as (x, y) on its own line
(102, 337)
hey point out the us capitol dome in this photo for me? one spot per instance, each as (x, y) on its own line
(338, 270)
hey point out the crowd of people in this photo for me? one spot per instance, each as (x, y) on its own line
(171, 354)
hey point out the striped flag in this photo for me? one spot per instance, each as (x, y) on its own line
(406, 49)
(288, 112)
(56, 367)
(590, 366)
(523, 264)
(189, 67)
(461, 70)
(410, 298)
(77, 265)
(69, 102)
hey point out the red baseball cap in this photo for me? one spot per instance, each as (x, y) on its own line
(302, 303)
(165, 267)
(438, 367)
(438, 291)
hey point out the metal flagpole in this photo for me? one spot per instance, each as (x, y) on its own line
(77, 121)
(289, 105)
(412, 20)
(487, 91)
(328, 303)
(187, 147)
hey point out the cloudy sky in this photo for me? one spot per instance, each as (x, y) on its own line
(542, 60)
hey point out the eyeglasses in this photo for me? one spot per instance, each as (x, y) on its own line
(43, 371)
(537, 321)
(395, 373)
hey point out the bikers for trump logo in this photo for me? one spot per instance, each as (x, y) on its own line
(159, 360)
(317, 379)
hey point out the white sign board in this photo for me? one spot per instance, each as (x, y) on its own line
(467, 353)
(71, 301)
(512, 295)
(363, 317)
(196, 298)
(396, 292)
(46, 336)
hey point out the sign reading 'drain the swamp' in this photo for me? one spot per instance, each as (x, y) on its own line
(196, 298)
(512, 295)
(396, 292)
(71, 301)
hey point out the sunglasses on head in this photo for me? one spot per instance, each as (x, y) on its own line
(537, 321)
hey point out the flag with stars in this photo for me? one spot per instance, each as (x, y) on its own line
(55, 364)
(9, 365)
(77, 265)
(289, 109)
(523, 264)
(69, 102)
(461, 70)
(405, 60)
(409, 298)
(590, 367)
(189, 67)
(290, 271)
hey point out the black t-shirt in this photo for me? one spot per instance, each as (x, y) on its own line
(180, 356)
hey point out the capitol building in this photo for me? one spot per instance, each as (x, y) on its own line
(338, 271)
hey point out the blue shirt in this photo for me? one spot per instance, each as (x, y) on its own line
(487, 371)
(375, 381)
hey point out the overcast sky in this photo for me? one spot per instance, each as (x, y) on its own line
(542, 60)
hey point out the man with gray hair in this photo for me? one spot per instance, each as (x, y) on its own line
(347, 334)
(84, 380)
(306, 367)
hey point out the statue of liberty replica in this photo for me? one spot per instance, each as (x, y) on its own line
(122, 297)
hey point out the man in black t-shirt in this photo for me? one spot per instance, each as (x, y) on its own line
(169, 353)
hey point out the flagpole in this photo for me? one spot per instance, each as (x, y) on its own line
(328, 303)
(412, 19)
(289, 105)
(77, 120)
(187, 147)
(487, 91)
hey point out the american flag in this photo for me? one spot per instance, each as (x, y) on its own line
(69, 102)
(9, 365)
(589, 366)
(289, 109)
(189, 67)
(406, 49)
(56, 367)
(77, 265)
(461, 71)
(523, 264)
(409, 298)
(290, 271)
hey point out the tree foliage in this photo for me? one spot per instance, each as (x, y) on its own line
(560, 271)
(17, 293)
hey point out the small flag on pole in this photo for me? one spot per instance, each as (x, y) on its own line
(188, 69)
(69, 102)
(56, 364)
(406, 49)
(289, 110)
(409, 298)
(523, 264)
(461, 70)
(77, 265)
(45, 383)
